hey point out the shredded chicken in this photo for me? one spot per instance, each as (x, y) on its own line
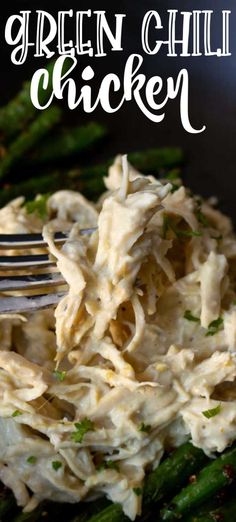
(142, 344)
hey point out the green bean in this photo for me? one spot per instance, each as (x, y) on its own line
(88, 180)
(154, 160)
(211, 479)
(173, 473)
(39, 128)
(91, 508)
(19, 111)
(112, 513)
(225, 513)
(68, 142)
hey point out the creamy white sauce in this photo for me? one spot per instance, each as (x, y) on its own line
(135, 366)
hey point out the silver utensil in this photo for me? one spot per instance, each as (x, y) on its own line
(30, 277)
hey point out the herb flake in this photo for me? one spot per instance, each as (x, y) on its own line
(188, 233)
(190, 317)
(56, 464)
(16, 413)
(169, 225)
(213, 412)
(215, 326)
(81, 429)
(32, 459)
(144, 427)
(59, 375)
(108, 464)
(38, 205)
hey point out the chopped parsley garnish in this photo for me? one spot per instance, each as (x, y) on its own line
(215, 326)
(56, 464)
(168, 225)
(39, 205)
(81, 429)
(188, 233)
(60, 375)
(213, 412)
(190, 317)
(144, 427)
(202, 218)
(138, 491)
(16, 413)
(108, 464)
(32, 459)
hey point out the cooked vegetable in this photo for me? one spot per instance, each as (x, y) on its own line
(25, 141)
(225, 513)
(15, 116)
(112, 513)
(170, 476)
(89, 180)
(68, 142)
(216, 475)
(173, 473)
(91, 508)
(153, 160)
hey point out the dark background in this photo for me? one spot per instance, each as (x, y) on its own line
(211, 155)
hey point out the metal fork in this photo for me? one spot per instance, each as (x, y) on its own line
(29, 267)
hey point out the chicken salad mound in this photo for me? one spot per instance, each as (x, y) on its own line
(140, 353)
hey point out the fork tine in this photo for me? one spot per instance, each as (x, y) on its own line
(17, 241)
(30, 282)
(31, 262)
(28, 304)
